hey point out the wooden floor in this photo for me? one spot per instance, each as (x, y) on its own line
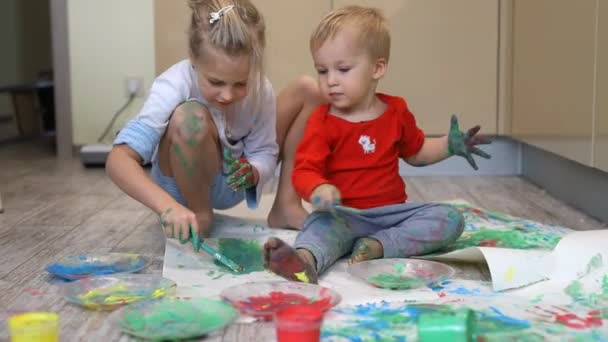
(57, 208)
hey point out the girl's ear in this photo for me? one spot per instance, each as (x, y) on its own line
(379, 68)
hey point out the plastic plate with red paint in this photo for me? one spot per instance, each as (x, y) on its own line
(263, 299)
(400, 274)
(113, 291)
(175, 319)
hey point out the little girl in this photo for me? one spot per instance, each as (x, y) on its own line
(207, 126)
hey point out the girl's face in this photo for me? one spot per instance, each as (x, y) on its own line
(222, 79)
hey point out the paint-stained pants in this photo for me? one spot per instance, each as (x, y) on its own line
(404, 230)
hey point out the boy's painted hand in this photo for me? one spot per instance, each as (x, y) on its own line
(464, 144)
(324, 197)
(241, 174)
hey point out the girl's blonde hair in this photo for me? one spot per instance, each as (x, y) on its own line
(369, 21)
(239, 31)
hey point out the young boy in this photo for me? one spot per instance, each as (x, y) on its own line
(347, 161)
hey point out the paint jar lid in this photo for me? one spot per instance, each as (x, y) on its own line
(456, 326)
(34, 326)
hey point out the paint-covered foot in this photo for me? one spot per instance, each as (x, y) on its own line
(366, 249)
(286, 262)
(287, 216)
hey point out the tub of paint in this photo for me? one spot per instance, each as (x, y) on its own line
(173, 319)
(263, 299)
(400, 274)
(113, 291)
(300, 323)
(81, 266)
(457, 325)
(34, 327)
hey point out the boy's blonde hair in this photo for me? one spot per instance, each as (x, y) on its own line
(371, 23)
(239, 31)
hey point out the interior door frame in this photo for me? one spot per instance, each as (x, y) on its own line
(61, 77)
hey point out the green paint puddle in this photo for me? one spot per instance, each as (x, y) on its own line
(395, 281)
(173, 319)
(514, 238)
(247, 253)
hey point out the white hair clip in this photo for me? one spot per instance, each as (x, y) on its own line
(215, 16)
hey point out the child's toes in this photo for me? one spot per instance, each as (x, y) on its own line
(366, 249)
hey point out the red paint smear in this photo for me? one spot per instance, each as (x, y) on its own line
(488, 243)
(266, 306)
(34, 292)
(573, 321)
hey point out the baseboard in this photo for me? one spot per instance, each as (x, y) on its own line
(505, 161)
(580, 186)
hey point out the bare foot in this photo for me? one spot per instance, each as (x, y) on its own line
(290, 216)
(366, 249)
(288, 263)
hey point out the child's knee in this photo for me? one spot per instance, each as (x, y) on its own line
(455, 223)
(308, 88)
(191, 123)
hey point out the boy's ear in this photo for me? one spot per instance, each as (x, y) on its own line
(380, 68)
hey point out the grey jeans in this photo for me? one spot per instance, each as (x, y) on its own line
(404, 230)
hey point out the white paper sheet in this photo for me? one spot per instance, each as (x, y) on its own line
(197, 276)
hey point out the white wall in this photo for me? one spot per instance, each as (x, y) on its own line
(108, 41)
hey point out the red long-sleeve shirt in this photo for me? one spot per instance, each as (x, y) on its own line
(360, 158)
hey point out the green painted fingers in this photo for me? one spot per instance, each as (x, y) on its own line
(239, 171)
(465, 144)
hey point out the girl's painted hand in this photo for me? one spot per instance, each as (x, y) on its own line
(241, 174)
(179, 222)
(325, 197)
(464, 144)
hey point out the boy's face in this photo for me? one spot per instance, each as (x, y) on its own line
(347, 74)
(222, 79)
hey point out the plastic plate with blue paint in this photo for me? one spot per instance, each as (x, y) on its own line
(86, 265)
(173, 319)
(401, 274)
(113, 291)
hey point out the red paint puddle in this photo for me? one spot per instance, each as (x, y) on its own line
(266, 306)
(488, 243)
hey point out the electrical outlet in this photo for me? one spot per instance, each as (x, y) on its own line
(134, 85)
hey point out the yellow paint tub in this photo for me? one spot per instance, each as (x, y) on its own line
(34, 326)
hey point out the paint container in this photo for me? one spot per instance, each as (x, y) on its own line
(34, 326)
(455, 326)
(299, 323)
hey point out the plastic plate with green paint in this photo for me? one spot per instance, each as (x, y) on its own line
(263, 299)
(85, 265)
(113, 291)
(400, 274)
(173, 319)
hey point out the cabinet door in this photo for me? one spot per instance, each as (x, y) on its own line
(171, 22)
(601, 109)
(288, 27)
(444, 59)
(289, 24)
(553, 73)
